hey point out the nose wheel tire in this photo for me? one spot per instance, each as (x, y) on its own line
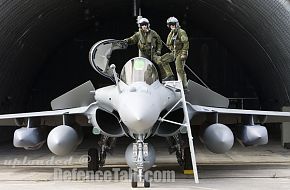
(146, 184)
(134, 182)
(93, 160)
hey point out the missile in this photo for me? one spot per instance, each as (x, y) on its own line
(63, 139)
(218, 138)
(29, 138)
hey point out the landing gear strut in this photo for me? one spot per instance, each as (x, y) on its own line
(93, 159)
(177, 145)
(97, 157)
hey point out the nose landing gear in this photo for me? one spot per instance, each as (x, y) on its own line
(140, 153)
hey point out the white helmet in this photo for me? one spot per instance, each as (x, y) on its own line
(172, 20)
(143, 21)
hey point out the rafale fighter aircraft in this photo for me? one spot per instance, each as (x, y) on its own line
(139, 106)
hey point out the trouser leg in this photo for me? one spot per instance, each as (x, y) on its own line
(180, 71)
(162, 72)
(165, 69)
(141, 54)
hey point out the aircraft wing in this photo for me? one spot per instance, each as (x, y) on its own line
(263, 116)
(203, 100)
(72, 111)
(45, 116)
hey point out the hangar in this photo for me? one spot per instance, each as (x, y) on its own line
(240, 49)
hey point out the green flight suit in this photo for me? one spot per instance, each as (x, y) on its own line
(150, 45)
(178, 43)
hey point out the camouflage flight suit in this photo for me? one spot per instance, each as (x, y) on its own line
(149, 45)
(177, 41)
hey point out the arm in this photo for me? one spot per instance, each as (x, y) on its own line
(133, 39)
(184, 40)
(168, 41)
(158, 44)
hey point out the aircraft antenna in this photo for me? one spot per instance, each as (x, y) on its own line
(137, 7)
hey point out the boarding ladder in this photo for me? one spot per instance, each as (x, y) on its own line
(179, 88)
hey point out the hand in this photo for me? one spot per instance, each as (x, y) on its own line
(183, 57)
(125, 43)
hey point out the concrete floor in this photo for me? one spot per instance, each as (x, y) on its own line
(264, 167)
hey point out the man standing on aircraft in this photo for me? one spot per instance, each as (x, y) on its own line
(177, 42)
(150, 45)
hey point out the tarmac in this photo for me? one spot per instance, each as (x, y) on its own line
(263, 167)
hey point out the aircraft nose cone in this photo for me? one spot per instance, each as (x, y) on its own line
(138, 118)
(139, 112)
(140, 115)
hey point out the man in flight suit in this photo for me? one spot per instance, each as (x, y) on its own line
(177, 42)
(150, 45)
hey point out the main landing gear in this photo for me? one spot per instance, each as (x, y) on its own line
(97, 156)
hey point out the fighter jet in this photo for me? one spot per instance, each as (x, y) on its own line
(140, 106)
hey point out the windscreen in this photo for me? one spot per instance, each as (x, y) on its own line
(139, 69)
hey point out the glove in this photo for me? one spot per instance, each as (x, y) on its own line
(183, 57)
(158, 53)
(125, 43)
